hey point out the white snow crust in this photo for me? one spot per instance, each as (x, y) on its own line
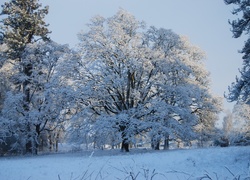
(214, 163)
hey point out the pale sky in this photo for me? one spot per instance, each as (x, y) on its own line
(204, 22)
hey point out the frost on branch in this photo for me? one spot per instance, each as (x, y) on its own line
(142, 82)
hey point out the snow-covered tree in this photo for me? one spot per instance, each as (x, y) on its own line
(138, 81)
(22, 24)
(241, 124)
(50, 95)
(239, 90)
(240, 26)
(185, 75)
(225, 135)
(120, 76)
(4, 86)
(227, 124)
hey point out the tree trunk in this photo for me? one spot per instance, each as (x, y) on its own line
(56, 145)
(57, 140)
(36, 139)
(125, 143)
(125, 146)
(50, 142)
(166, 142)
(155, 142)
(29, 144)
(157, 146)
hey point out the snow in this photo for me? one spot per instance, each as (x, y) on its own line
(214, 163)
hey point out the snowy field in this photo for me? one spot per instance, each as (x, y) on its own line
(211, 163)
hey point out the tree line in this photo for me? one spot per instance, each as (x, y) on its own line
(125, 84)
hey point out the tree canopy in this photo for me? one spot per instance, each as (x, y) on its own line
(141, 81)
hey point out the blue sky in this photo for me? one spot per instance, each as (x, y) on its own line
(204, 22)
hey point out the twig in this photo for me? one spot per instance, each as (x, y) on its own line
(230, 171)
(206, 177)
(87, 176)
(100, 173)
(180, 172)
(133, 176)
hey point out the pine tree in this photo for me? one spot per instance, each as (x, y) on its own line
(239, 90)
(241, 25)
(23, 23)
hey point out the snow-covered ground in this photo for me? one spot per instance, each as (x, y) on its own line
(210, 163)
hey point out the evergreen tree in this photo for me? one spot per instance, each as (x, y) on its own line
(239, 90)
(22, 24)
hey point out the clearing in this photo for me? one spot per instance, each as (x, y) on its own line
(140, 164)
